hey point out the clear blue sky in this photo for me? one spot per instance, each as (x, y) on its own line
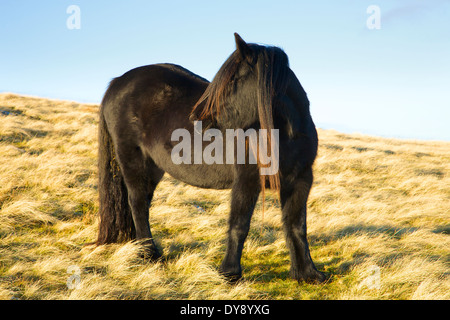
(393, 81)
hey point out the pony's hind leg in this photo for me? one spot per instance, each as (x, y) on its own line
(141, 177)
(293, 200)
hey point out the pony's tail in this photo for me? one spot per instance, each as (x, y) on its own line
(116, 221)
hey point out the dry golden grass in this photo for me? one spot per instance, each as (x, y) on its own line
(378, 220)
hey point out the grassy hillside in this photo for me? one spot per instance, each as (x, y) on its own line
(378, 220)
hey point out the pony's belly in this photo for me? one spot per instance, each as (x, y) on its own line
(202, 177)
(214, 176)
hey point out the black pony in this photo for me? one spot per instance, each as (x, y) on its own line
(255, 88)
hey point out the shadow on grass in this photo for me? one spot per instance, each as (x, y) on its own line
(273, 267)
(360, 229)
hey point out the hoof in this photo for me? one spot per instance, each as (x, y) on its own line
(149, 251)
(151, 255)
(232, 276)
(312, 276)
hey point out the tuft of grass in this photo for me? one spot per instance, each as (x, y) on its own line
(378, 220)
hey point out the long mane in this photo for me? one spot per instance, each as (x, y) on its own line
(272, 66)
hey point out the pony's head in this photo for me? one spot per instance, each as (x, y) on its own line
(242, 93)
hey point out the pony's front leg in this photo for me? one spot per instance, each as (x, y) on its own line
(244, 194)
(293, 200)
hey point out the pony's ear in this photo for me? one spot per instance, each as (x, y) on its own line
(242, 47)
